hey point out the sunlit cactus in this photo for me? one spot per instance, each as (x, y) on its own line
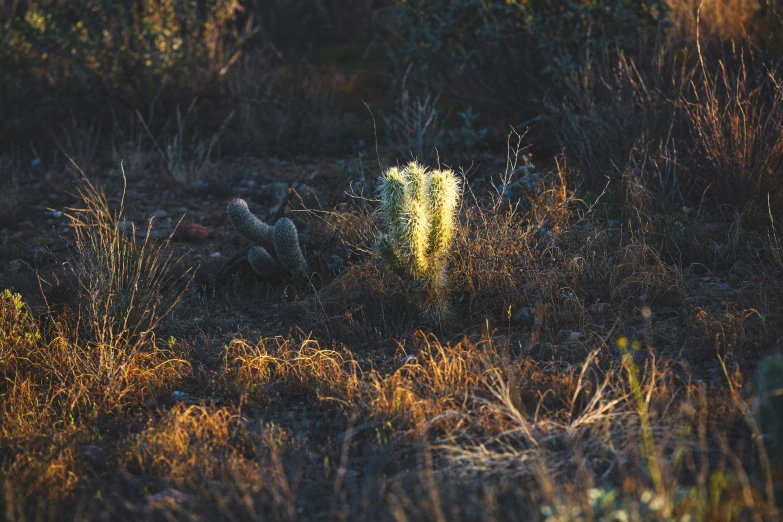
(419, 209)
(282, 237)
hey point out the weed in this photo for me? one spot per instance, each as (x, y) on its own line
(737, 131)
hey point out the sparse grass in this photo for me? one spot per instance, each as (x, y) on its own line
(186, 156)
(80, 143)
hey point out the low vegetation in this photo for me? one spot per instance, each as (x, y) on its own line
(391, 260)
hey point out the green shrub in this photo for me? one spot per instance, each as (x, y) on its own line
(127, 48)
(19, 333)
(500, 50)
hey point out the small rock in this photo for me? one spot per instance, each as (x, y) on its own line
(37, 254)
(524, 315)
(92, 452)
(159, 213)
(569, 335)
(335, 263)
(171, 495)
(347, 473)
(215, 254)
(193, 231)
(179, 396)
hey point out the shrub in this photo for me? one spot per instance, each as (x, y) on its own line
(737, 131)
(499, 50)
(128, 48)
(19, 333)
(126, 283)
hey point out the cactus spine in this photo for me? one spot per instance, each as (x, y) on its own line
(419, 209)
(282, 237)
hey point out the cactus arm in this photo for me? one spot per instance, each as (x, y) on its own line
(387, 251)
(392, 192)
(247, 224)
(418, 182)
(416, 232)
(286, 241)
(444, 197)
(262, 262)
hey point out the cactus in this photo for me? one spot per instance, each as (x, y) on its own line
(419, 210)
(769, 381)
(282, 237)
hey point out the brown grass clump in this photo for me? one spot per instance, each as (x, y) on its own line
(298, 367)
(640, 273)
(487, 417)
(728, 329)
(609, 107)
(718, 21)
(432, 382)
(211, 454)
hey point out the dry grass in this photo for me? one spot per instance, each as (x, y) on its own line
(63, 371)
(717, 21)
(736, 123)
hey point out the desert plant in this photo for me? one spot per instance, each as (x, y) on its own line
(130, 49)
(736, 124)
(414, 125)
(19, 333)
(419, 209)
(186, 158)
(283, 237)
(496, 51)
(126, 285)
(769, 380)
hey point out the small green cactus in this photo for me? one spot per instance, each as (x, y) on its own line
(769, 381)
(283, 237)
(419, 209)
